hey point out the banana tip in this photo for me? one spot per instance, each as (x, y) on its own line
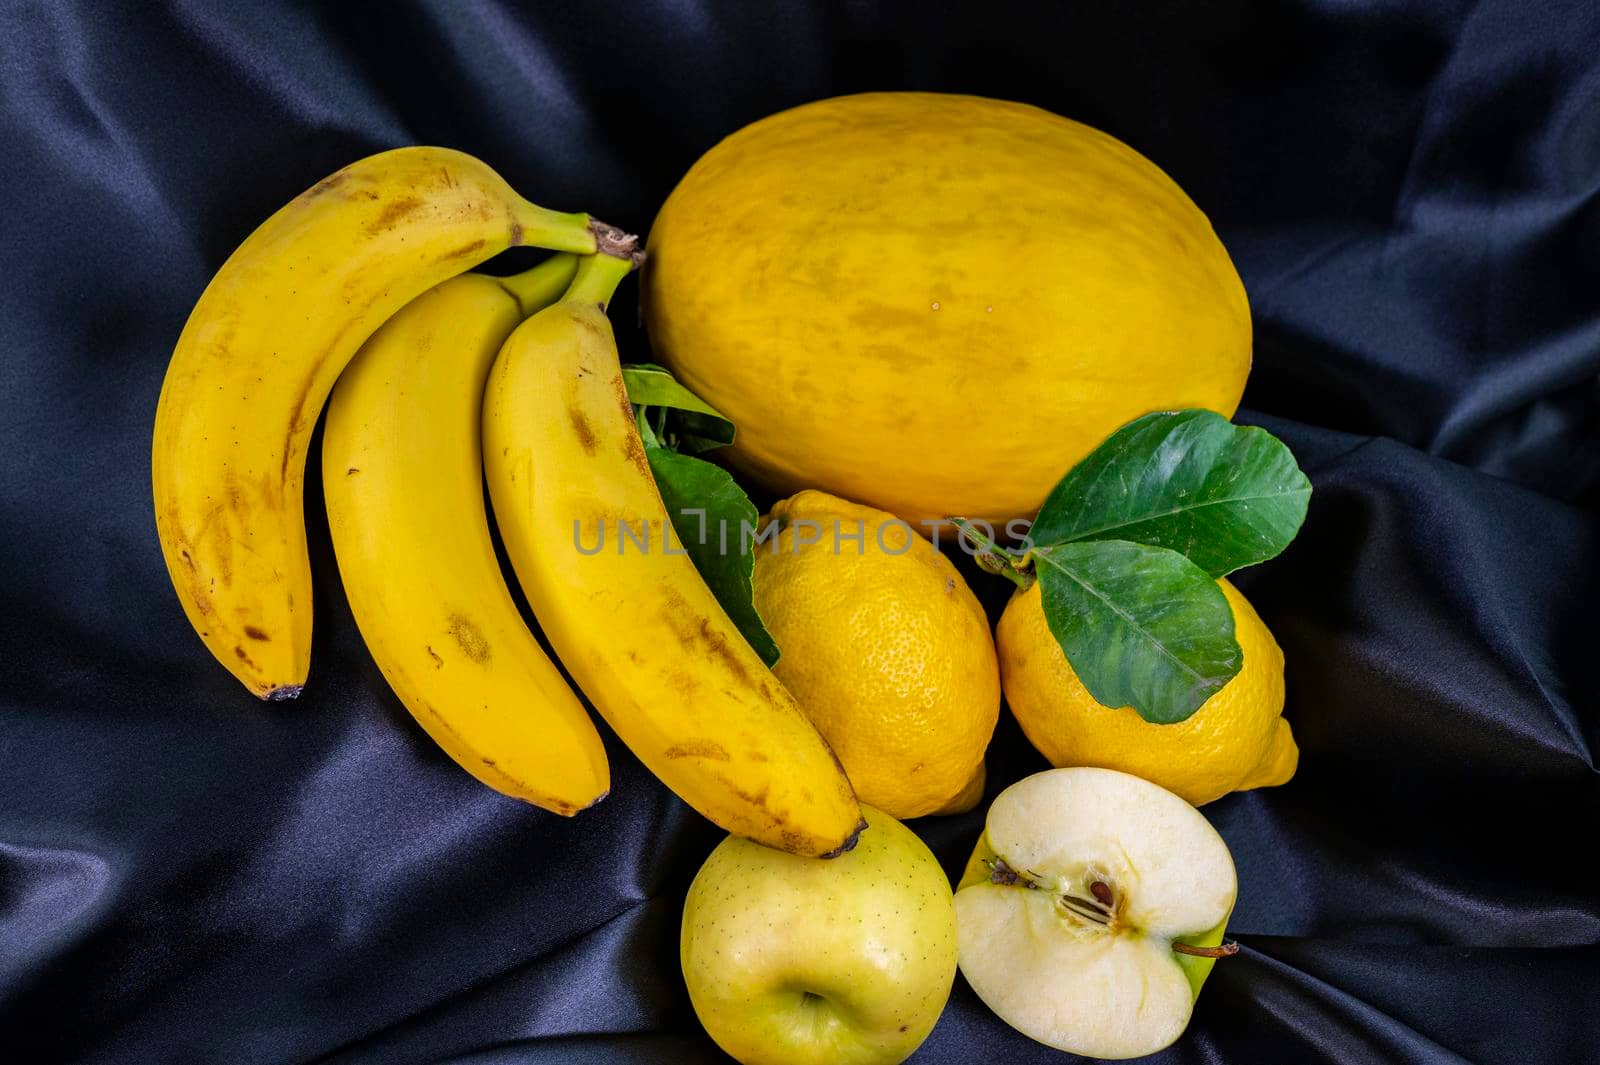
(283, 693)
(849, 844)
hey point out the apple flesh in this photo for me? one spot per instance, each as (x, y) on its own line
(844, 961)
(1092, 911)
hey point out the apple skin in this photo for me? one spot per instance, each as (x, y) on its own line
(840, 961)
(1196, 969)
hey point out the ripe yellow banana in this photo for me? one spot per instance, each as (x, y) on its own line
(262, 348)
(638, 629)
(403, 474)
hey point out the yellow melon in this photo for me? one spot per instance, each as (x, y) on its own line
(937, 304)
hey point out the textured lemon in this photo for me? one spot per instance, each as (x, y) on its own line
(937, 304)
(886, 649)
(1236, 741)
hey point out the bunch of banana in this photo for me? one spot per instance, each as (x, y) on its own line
(364, 267)
(257, 359)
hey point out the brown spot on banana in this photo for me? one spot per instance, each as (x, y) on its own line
(221, 538)
(295, 414)
(256, 634)
(328, 184)
(757, 799)
(685, 684)
(393, 212)
(583, 431)
(633, 451)
(619, 389)
(698, 749)
(717, 644)
(463, 251)
(468, 637)
(702, 638)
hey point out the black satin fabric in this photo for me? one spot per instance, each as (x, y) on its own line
(1411, 191)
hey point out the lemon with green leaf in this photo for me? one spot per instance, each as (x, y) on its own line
(1235, 741)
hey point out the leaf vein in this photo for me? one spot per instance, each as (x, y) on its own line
(1129, 619)
(1123, 524)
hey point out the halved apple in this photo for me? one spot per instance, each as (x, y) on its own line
(1092, 911)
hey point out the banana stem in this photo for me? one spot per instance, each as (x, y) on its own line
(609, 240)
(541, 286)
(597, 278)
(533, 226)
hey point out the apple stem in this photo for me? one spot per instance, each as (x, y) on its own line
(1225, 950)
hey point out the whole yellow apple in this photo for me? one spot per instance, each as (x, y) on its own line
(840, 961)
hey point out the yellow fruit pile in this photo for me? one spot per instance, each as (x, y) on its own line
(912, 307)
(1014, 287)
(939, 305)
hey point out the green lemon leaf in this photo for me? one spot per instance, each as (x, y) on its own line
(709, 510)
(1142, 626)
(709, 514)
(694, 419)
(1224, 495)
(691, 444)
